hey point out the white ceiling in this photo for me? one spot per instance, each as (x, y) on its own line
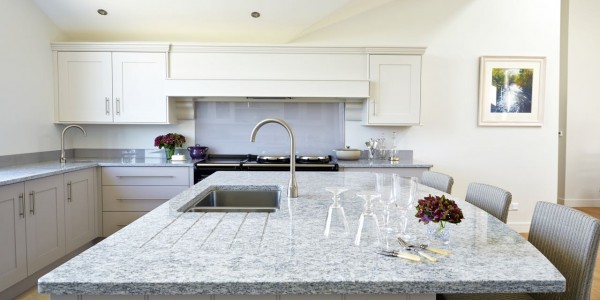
(281, 21)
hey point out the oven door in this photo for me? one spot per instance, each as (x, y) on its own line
(203, 170)
(286, 167)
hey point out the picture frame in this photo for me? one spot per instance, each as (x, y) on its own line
(511, 90)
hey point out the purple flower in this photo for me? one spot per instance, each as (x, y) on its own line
(170, 140)
(438, 209)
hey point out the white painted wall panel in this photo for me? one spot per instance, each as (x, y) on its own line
(268, 66)
(456, 34)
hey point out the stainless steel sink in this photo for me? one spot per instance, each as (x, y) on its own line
(238, 201)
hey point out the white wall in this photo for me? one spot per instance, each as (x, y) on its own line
(582, 170)
(456, 33)
(26, 79)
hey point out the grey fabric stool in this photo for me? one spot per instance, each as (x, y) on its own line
(493, 200)
(569, 239)
(438, 181)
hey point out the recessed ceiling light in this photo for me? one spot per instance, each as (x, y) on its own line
(102, 12)
(255, 14)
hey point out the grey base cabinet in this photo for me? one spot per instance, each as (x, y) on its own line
(130, 192)
(42, 220)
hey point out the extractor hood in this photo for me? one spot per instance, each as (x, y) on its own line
(267, 88)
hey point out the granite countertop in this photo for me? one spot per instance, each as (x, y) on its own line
(19, 173)
(381, 163)
(167, 252)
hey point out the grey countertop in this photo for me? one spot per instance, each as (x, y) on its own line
(381, 163)
(19, 173)
(166, 252)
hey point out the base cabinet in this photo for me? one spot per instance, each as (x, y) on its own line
(45, 221)
(42, 220)
(412, 172)
(130, 192)
(80, 208)
(13, 260)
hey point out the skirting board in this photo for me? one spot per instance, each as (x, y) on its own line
(520, 227)
(580, 202)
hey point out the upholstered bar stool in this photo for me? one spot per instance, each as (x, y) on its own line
(438, 181)
(493, 200)
(569, 239)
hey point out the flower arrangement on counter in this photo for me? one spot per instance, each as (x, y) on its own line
(169, 141)
(438, 210)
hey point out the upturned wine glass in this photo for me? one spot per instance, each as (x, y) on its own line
(385, 187)
(367, 233)
(405, 189)
(336, 217)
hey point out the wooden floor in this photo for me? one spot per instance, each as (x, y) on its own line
(594, 211)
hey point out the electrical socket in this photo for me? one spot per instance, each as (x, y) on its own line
(514, 206)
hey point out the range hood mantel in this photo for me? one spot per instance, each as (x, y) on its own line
(267, 88)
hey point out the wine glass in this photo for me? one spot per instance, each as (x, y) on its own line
(405, 189)
(336, 215)
(385, 187)
(367, 233)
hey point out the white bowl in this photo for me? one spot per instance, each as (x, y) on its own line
(347, 154)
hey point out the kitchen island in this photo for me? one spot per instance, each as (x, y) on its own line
(284, 254)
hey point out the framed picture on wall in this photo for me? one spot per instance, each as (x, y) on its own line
(511, 91)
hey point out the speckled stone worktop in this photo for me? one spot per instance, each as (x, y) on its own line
(19, 173)
(167, 252)
(381, 163)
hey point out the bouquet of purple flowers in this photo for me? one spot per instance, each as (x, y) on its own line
(438, 209)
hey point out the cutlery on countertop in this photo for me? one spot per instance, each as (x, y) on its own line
(397, 253)
(435, 250)
(426, 247)
(410, 247)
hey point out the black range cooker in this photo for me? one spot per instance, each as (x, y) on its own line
(249, 162)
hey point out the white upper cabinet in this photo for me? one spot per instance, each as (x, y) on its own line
(395, 90)
(111, 87)
(85, 87)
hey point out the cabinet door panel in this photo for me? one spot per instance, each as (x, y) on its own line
(13, 264)
(85, 87)
(45, 222)
(80, 208)
(113, 221)
(145, 176)
(138, 83)
(395, 88)
(137, 198)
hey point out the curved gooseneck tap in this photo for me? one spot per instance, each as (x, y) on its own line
(63, 159)
(293, 186)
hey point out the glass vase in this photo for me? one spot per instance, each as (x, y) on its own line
(439, 233)
(169, 152)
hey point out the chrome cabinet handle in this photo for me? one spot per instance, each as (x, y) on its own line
(107, 106)
(118, 106)
(69, 192)
(22, 205)
(32, 203)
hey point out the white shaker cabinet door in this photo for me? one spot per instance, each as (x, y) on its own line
(45, 218)
(13, 262)
(395, 90)
(80, 208)
(138, 88)
(85, 87)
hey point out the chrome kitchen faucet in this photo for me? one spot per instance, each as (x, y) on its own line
(293, 186)
(63, 159)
